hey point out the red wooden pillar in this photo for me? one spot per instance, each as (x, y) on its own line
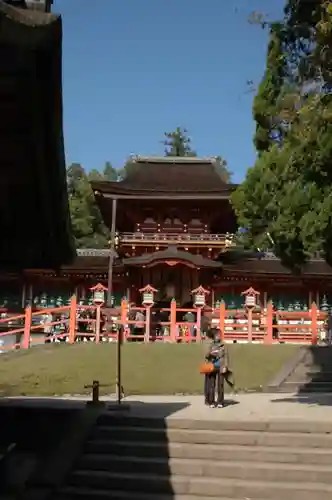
(173, 320)
(222, 314)
(314, 326)
(27, 327)
(269, 323)
(72, 319)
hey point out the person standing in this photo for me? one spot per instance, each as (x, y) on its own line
(215, 382)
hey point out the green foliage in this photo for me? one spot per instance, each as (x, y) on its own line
(265, 105)
(88, 226)
(178, 143)
(110, 173)
(286, 197)
(222, 168)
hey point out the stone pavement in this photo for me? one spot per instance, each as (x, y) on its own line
(247, 407)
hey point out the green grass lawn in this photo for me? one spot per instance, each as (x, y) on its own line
(146, 368)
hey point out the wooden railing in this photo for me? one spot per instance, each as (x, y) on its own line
(74, 323)
(175, 238)
(272, 326)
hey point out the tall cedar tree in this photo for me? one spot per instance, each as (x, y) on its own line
(286, 197)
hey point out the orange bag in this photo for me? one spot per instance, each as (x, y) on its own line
(207, 368)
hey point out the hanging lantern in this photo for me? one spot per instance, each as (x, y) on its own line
(324, 306)
(98, 294)
(59, 301)
(148, 295)
(199, 296)
(43, 300)
(250, 298)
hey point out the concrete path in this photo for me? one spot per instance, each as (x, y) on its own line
(252, 407)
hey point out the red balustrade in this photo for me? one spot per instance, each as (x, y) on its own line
(75, 323)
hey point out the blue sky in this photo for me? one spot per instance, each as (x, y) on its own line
(133, 69)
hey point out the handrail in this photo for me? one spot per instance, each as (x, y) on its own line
(268, 325)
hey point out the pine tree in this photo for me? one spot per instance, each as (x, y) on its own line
(178, 143)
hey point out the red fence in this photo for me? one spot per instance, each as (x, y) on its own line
(74, 323)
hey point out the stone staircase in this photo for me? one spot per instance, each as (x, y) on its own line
(312, 374)
(143, 458)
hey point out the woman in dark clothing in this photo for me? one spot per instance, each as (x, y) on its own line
(215, 381)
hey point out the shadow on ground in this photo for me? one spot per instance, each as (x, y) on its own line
(59, 437)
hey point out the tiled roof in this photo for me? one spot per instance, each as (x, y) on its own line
(273, 266)
(169, 175)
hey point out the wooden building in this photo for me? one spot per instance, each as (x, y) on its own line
(34, 212)
(174, 225)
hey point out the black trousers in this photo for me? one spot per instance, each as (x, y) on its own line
(214, 382)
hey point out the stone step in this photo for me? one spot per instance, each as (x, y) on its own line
(91, 494)
(301, 376)
(306, 387)
(200, 486)
(108, 419)
(206, 451)
(208, 468)
(216, 437)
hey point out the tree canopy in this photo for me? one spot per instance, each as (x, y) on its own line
(178, 143)
(88, 227)
(286, 198)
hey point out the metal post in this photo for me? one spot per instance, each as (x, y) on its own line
(111, 257)
(118, 366)
(109, 300)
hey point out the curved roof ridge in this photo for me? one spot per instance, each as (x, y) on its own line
(173, 159)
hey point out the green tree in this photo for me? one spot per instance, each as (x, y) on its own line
(268, 122)
(88, 226)
(110, 173)
(223, 170)
(178, 143)
(286, 199)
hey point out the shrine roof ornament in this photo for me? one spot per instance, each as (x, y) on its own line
(148, 289)
(251, 291)
(200, 291)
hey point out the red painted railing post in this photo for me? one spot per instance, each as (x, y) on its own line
(27, 327)
(199, 325)
(97, 325)
(72, 319)
(269, 323)
(147, 324)
(173, 321)
(314, 325)
(123, 320)
(222, 314)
